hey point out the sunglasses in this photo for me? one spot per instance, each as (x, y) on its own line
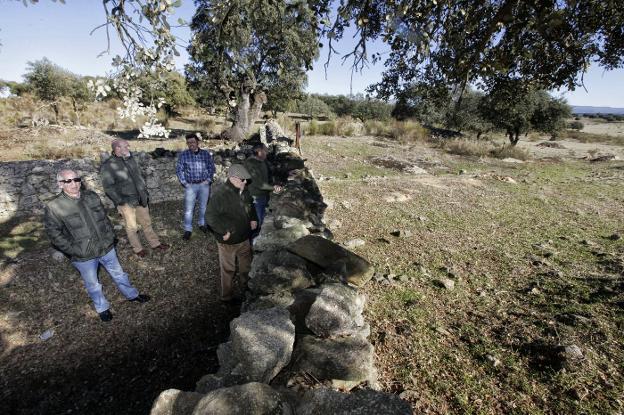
(242, 180)
(75, 179)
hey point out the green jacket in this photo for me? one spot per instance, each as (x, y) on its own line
(230, 211)
(123, 182)
(79, 227)
(260, 182)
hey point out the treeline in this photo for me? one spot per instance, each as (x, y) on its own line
(511, 108)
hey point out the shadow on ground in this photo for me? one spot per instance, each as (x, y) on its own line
(120, 367)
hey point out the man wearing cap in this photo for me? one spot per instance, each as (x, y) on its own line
(260, 187)
(195, 169)
(232, 217)
(77, 225)
(125, 186)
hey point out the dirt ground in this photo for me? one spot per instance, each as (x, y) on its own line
(89, 367)
(534, 251)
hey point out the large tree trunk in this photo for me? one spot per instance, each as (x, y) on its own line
(247, 112)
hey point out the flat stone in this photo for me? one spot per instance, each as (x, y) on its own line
(348, 358)
(279, 237)
(337, 311)
(280, 278)
(361, 402)
(249, 399)
(354, 243)
(326, 254)
(447, 283)
(175, 402)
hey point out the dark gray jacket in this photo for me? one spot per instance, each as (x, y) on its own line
(79, 227)
(123, 182)
(229, 210)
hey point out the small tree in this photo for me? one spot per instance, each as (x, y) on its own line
(312, 106)
(550, 114)
(49, 82)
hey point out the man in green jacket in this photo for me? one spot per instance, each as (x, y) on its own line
(77, 225)
(232, 217)
(260, 186)
(125, 186)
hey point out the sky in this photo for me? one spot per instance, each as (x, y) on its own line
(62, 34)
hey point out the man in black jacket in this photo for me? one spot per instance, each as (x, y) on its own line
(232, 217)
(77, 225)
(125, 186)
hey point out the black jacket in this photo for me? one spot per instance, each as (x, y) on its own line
(79, 227)
(123, 182)
(230, 211)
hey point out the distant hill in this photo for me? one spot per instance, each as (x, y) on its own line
(596, 110)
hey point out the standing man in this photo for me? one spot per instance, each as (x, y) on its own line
(77, 225)
(195, 170)
(232, 217)
(260, 186)
(125, 186)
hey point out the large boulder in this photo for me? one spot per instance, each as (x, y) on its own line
(248, 399)
(361, 402)
(337, 311)
(261, 344)
(344, 361)
(175, 402)
(329, 255)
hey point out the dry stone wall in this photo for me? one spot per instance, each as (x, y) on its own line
(301, 340)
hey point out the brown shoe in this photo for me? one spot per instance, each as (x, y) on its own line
(162, 247)
(141, 253)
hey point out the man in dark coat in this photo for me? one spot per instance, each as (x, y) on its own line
(125, 186)
(232, 217)
(260, 187)
(77, 225)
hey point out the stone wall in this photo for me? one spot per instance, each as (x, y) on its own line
(300, 345)
(25, 186)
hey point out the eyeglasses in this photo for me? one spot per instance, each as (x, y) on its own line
(75, 179)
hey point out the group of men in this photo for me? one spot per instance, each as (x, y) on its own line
(77, 225)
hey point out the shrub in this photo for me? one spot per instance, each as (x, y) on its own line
(377, 128)
(43, 151)
(509, 151)
(468, 148)
(576, 125)
(408, 131)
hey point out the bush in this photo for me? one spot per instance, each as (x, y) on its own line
(576, 125)
(408, 131)
(468, 148)
(508, 151)
(377, 128)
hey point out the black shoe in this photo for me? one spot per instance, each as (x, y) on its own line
(187, 235)
(141, 298)
(204, 228)
(106, 315)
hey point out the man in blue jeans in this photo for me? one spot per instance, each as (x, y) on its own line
(195, 170)
(77, 225)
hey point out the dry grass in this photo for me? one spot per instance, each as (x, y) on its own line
(585, 137)
(470, 148)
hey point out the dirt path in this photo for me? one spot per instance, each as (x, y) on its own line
(118, 368)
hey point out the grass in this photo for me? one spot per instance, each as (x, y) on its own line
(584, 137)
(489, 346)
(471, 148)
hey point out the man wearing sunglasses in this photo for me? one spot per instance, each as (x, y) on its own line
(77, 225)
(125, 186)
(232, 217)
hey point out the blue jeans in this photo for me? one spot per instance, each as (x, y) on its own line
(260, 203)
(89, 270)
(192, 192)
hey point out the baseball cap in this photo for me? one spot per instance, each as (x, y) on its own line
(238, 170)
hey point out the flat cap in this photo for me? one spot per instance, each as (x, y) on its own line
(238, 170)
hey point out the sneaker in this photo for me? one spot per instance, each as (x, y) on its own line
(106, 315)
(203, 228)
(141, 298)
(162, 247)
(187, 235)
(141, 253)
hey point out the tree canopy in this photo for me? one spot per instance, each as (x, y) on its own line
(245, 50)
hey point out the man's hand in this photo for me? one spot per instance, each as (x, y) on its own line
(226, 236)
(277, 188)
(253, 225)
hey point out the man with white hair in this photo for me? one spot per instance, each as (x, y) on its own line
(77, 225)
(125, 186)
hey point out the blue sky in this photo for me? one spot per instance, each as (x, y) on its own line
(61, 33)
